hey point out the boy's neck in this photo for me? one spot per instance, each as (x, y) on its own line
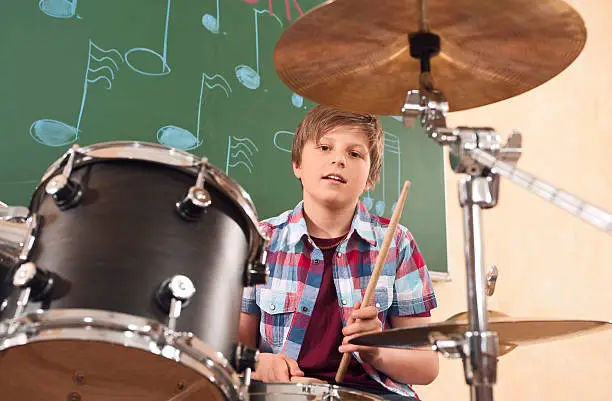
(323, 222)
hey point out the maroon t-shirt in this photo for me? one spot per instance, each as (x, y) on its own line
(319, 356)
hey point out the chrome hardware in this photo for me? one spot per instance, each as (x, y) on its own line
(65, 192)
(332, 395)
(197, 198)
(426, 106)
(17, 236)
(482, 346)
(38, 281)
(10, 213)
(257, 272)
(492, 280)
(194, 203)
(481, 191)
(33, 282)
(173, 296)
(181, 288)
(22, 302)
(245, 360)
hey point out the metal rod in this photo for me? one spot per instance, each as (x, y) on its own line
(423, 17)
(566, 201)
(476, 288)
(481, 393)
(474, 259)
(476, 282)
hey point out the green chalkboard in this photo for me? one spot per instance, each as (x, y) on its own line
(196, 75)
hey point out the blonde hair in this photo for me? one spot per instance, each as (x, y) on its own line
(322, 119)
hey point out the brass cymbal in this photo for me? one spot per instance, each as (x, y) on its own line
(510, 332)
(354, 54)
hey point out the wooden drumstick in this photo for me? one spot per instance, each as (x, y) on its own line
(380, 261)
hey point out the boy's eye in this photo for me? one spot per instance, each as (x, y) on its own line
(355, 154)
(323, 147)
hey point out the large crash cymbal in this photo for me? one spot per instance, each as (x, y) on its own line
(511, 332)
(354, 54)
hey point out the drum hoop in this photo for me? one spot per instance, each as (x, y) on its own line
(125, 330)
(159, 154)
(312, 389)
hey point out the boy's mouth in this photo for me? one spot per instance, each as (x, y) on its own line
(335, 177)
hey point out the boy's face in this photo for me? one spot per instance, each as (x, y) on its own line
(334, 171)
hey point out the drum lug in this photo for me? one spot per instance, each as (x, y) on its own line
(173, 295)
(17, 237)
(65, 192)
(245, 361)
(35, 283)
(256, 273)
(194, 204)
(197, 199)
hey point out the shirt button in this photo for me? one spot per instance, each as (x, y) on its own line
(272, 307)
(339, 254)
(316, 261)
(304, 309)
(377, 305)
(344, 302)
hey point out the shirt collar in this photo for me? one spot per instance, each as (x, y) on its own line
(361, 224)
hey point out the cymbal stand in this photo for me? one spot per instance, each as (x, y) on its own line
(478, 153)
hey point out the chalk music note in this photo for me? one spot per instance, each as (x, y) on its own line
(177, 137)
(367, 200)
(212, 23)
(392, 146)
(297, 100)
(58, 8)
(165, 68)
(283, 140)
(245, 74)
(240, 153)
(56, 133)
(287, 7)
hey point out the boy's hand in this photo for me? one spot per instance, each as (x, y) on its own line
(276, 368)
(361, 321)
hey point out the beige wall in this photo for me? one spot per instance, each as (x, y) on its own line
(551, 264)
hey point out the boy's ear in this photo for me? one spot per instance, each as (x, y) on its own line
(297, 170)
(368, 186)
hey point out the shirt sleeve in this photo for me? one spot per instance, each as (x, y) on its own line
(412, 289)
(249, 304)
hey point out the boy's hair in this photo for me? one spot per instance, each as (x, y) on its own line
(322, 119)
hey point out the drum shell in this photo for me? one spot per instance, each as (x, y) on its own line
(124, 238)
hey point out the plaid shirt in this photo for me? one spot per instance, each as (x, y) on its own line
(296, 266)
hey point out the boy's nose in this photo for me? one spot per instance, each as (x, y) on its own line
(339, 160)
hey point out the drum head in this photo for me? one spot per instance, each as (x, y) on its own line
(97, 371)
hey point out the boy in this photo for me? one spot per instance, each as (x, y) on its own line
(321, 257)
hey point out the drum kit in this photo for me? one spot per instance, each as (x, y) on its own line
(92, 308)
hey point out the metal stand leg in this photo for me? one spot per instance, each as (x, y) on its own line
(481, 362)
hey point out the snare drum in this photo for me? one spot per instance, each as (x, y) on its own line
(136, 259)
(306, 392)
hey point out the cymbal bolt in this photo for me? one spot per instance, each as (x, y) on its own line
(78, 378)
(74, 396)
